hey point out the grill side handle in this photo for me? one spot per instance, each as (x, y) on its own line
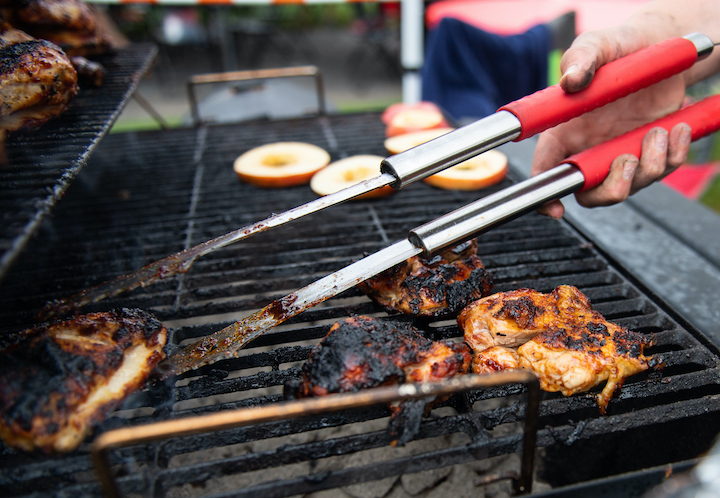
(251, 75)
(581, 171)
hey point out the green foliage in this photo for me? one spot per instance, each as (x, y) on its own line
(711, 197)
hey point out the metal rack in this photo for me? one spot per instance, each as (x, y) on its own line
(44, 162)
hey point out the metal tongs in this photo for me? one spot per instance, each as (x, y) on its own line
(516, 121)
(579, 172)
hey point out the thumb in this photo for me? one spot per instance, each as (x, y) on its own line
(593, 49)
(578, 67)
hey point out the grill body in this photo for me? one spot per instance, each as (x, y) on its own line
(147, 195)
(43, 163)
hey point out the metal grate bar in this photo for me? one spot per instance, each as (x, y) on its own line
(43, 163)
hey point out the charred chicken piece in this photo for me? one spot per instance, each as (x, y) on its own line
(60, 379)
(90, 73)
(362, 352)
(439, 286)
(37, 82)
(495, 359)
(67, 14)
(70, 24)
(568, 345)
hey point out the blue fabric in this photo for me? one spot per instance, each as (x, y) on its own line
(470, 73)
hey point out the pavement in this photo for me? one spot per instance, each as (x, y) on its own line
(360, 71)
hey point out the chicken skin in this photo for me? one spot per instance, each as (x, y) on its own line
(495, 359)
(558, 336)
(512, 318)
(37, 82)
(59, 379)
(70, 24)
(577, 356)
(433, 287)
(360, 352)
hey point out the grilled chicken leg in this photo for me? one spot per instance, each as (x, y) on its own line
(585, 353)
(512, 318)
(70, 24)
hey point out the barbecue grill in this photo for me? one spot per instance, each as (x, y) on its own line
(145, 195)
(43, 164)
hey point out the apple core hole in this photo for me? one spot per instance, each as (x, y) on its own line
(278, 160)
(357, 174)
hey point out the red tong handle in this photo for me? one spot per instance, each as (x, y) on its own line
(703, 117)
(549, 107)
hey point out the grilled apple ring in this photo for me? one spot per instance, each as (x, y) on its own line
(281, 164)
(401, 143)
(347, 172)
(478, 172)
(404, 118)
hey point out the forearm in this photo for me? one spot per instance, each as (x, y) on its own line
(661, 19)
(652, 23)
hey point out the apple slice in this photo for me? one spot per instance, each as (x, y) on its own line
(406, 118)
(478, 172)
(401, 143)
(347, 172)
(281, 164)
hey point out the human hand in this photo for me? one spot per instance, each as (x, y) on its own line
(662, 151)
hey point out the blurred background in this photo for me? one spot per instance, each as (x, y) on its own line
(356, 47)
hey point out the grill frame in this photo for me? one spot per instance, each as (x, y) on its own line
(188, 165)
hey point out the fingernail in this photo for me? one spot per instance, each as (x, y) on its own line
(685, 135)
(661, 140)
(629, 167)
(571, 70)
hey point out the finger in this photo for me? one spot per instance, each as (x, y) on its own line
(678, 147)
(616, 187)
(592, 50)
(581, 60)
(549, 151)
(553, 209)
(578, 67)
(653, 159)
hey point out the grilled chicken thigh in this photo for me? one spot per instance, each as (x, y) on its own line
(558, 336)
(512, 318)
(495, 359)
(37, 81)
(59, 379)
(579, 355)
(68, 14)
(362, 352)
(441, 285)
(70, 24)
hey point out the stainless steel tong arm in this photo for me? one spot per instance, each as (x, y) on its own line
(515, 121)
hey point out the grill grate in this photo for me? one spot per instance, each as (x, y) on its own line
(43, 163)
(150, 194)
